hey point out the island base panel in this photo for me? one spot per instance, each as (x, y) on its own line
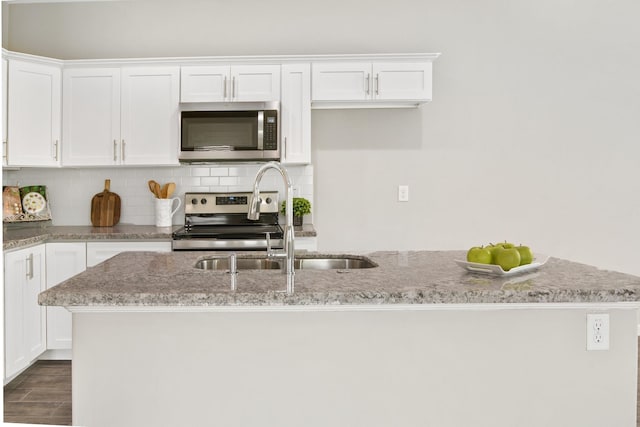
(352, 368)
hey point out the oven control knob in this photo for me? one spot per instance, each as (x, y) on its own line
(194, 201)
(203, 201)
(268, 200)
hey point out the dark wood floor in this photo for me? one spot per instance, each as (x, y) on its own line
(42, 394)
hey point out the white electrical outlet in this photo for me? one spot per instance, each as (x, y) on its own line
(597, 331)
(403, 193)
(296, 190)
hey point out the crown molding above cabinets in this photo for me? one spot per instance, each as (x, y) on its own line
(116, 104)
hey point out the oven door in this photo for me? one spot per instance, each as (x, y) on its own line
(222, 237)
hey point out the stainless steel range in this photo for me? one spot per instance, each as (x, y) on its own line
(218, 221)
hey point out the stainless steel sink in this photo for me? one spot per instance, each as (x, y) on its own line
(346, 263)
(242, 263)
(303, 263)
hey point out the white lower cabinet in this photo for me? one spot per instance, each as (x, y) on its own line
(31, 329)
(24, 319)
(102, 251)
(64, 260)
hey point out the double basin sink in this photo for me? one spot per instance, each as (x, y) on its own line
(343, 262)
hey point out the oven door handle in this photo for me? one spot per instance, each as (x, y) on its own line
(268, 242)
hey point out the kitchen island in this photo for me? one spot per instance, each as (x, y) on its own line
(414, 341)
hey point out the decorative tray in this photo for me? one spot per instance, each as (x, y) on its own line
(496, 270)
(25, 204)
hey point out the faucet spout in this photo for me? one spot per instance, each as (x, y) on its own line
(289, 238)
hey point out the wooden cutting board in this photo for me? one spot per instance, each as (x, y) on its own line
(105, 207)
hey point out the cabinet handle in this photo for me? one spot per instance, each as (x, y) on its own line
(233, 87)
(366, 84)
(377, 84)
(224, 86)
(122, 156)
(30, 267)
(55, 151)
(6, 151)
(115, 150)
(283, 153)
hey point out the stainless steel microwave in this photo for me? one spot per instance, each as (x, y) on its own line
(238, 132)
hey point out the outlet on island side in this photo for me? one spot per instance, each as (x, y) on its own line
(597, 331)
(403, 193)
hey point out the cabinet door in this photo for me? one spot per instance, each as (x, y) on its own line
(295, 113)
(25, 328)
(15, 267)
(34, 114)
(98, 252)
(341, 81)
(91, 117)
(402, 81)
(5, 83)
(149, 123)
(204, 83)
(64, 260)
(255, 83)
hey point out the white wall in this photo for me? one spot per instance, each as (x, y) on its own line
(532, 135)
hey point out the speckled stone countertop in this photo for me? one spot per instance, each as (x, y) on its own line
(423, 277)
(14, 238)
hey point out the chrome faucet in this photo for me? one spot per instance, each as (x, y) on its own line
(254, 213)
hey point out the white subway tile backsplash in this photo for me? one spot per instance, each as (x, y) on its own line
(237, 171)
(228, 181)
(210, 180)
(189, 181)
(200, 171)
(219, 172)
(70, 189)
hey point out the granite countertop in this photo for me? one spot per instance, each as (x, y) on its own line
(422, 277)
(14, 238)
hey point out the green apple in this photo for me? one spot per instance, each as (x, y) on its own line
(507, 258)
(507, 245)
(493, 249)
(526, 256)
(479, 254)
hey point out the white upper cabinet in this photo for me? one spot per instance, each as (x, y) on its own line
(120, 116)
(149, 115)
(338, 81)
(295, 113)
(204, 84)
(221, 83)
(401, 81)
(370, 83)
(255, 83)
(91, 117)
(34, 114)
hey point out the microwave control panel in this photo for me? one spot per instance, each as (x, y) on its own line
(270, 130)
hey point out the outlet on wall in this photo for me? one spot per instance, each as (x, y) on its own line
(403, 193)
(597, 331)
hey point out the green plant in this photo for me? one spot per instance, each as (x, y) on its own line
(301, 206)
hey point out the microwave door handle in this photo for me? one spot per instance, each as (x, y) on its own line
(260, 130)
